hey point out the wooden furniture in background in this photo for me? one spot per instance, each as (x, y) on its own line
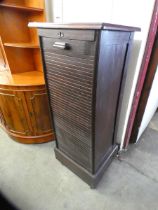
(24, 109)
(84, 68)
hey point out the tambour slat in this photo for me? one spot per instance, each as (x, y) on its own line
(71, 123)
(72, 106)
(72, 96)
(88, 60)
(73, 87)
(73, 72)
(72, 64)
(75, 134)
(74, 113)
(76, 131)
(79, 96)
(73, 99)
(66, 66)
(75, 118)
(56, 72)
(75, 148)
(70, 80)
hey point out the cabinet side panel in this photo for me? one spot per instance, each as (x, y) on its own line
(112, 56)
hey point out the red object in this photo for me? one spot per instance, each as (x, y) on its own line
(143, 71)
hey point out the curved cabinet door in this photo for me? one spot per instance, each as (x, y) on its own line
(39, 113)
(25, 115)
(13, 111)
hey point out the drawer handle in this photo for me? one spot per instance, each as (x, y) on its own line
(61, 45)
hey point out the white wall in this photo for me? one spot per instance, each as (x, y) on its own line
(151, 106)
(132, 14)
(49, 7)
(126, 12)
(58, 11)
(87, 10)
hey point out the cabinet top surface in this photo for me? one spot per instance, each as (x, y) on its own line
(101, 26)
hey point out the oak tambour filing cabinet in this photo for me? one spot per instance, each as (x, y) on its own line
(84, 67)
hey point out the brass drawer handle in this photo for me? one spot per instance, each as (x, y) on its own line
(61, 45)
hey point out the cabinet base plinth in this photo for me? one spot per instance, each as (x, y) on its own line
(91, 179)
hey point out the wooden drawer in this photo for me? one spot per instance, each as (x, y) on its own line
(86, 35)
(74, 48)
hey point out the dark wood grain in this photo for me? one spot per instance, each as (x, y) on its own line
(122, 85)
(76, 48)
(113, 47)
(70, 78)
(68, 34)
(84, 86)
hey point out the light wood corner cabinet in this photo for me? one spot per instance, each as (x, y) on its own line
(24, 107)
